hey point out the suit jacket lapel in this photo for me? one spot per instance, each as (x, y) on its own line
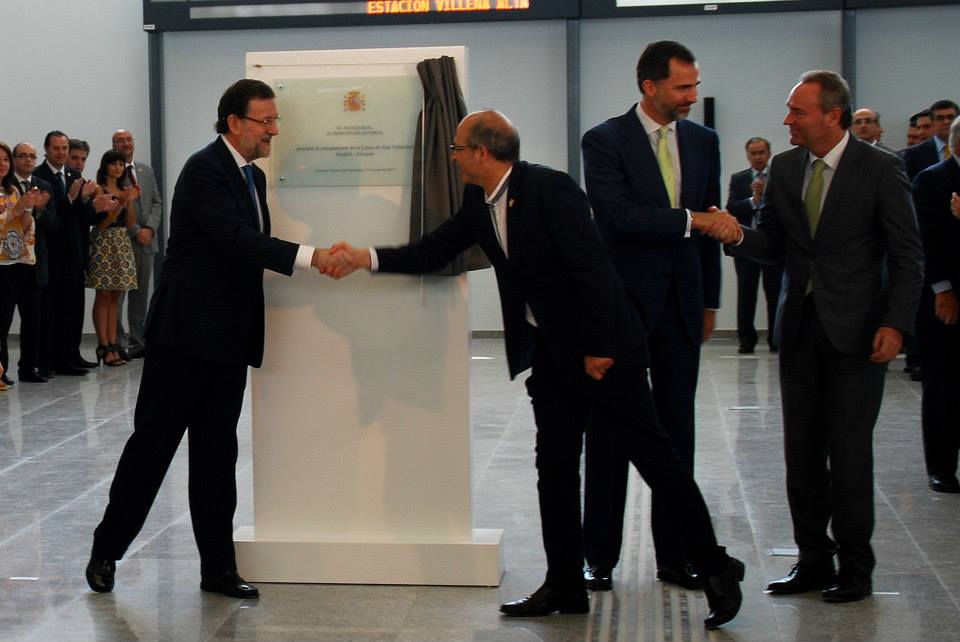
(688, 168)
(793, 169)
(644, 156)
(237, 180)
(843, 176)
(515, 206)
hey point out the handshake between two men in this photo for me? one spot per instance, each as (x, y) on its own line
(717, 223)
(340, 260)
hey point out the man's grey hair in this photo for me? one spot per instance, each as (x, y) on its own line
(500, 138)
(834, 92)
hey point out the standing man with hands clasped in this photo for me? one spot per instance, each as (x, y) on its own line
(653, 178)
(838, 212)
(567, 319)
(204, 328)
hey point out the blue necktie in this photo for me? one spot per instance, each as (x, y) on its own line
(248, 172)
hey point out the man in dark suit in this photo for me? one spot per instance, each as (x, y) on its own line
(745, 200)
(567, 317)
(63, 296)
(919, 157)
(149, 208)
(838, 212)
(35, 335)
(204, 328)
(651, 177)
(937, 326)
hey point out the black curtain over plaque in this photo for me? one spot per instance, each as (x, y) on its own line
(437, 189)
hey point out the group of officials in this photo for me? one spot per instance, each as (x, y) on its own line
(591, 305)
(51, 297)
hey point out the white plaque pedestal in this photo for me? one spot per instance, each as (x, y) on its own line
(361, 418)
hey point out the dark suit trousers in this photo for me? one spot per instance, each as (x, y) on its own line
(563, 404)
(830, 405)
(180, 393)
(674, 368)
(748, 278)
(19, 289)
(940, 408)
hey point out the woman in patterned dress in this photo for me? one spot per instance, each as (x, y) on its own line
(112, 268)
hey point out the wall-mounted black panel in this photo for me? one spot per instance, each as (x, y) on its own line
(193, 15)
(626, 8)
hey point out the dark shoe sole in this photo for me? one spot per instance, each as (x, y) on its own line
(562, 610)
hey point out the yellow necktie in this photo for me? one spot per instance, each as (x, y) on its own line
(946, 152)
(665, 162)
(811, 203)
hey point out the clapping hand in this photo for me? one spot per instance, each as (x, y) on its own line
(75, 189)
(105, 202)
(88, 190)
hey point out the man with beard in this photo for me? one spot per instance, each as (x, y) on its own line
(652, 176)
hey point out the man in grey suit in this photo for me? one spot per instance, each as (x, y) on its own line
(838, 212)
(149, 208)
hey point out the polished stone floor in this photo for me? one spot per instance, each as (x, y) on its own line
(59, 443)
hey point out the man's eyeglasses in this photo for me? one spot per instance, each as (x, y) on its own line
(266, 122)
(457, 148)
(32, 156)
(864, 121)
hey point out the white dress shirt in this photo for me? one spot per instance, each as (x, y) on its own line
(652, 129)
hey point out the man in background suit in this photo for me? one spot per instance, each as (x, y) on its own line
(937, 320)
(919, 157)
(651, 176)
(568, 319)
(204, 328)
(866, 127)
(63, 296)
(838, 212)
(920, 129)
(745, 200)
(149, 208)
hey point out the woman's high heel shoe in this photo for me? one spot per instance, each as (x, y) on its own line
(117, 359)
(102, 351)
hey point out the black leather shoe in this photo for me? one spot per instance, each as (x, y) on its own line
(31, 376)
(546, 601)
(229, 584)
(70, 371)
(83, 363)
(723, 593)
(46, 373)
(100, 573)
(848, 589)
(745, 349)
(682, 575)
(598, 578)
(7, 380)
(944, 484)
(803, 578)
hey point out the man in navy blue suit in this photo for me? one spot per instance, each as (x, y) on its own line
(204, 329)
(653, 179)
(921, 156)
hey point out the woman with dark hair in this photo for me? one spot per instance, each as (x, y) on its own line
(18, 284)
(112, 268)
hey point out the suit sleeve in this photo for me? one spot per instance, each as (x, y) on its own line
(205, 195)
(710, 267)
(433, 250)
(155, 213)
(898, 221)
(933, 216)
(739, 205)
(610, 196)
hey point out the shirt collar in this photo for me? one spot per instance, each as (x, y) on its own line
(53, 169)
(650, 125)
(21, 179)
(940, 145)
(500, 189)
(765, 170)
(237, 157)
(832, 158)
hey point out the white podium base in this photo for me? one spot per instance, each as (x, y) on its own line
(478, 562)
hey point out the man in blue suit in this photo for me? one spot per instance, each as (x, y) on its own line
(921, 156)
(204, 329)
(652, 178)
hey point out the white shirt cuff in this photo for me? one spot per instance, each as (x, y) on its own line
(304, 257)
(942, 286)
(686, 234)
(374, 261)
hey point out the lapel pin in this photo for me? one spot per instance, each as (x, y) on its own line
(511, 202)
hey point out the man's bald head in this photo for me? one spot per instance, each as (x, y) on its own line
(492, 130)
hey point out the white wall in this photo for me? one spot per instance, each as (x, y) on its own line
(78, 68)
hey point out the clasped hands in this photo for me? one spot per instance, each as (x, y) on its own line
(340, 260)
(719, 224)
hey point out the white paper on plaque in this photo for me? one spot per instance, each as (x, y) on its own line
(347, 131)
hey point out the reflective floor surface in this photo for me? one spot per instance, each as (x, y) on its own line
(59, 443)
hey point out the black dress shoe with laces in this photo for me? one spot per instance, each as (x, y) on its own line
(944, 484)
(598, 578)
(100, 574)
(546, 601)
(802, 578)
(681, 575)
(723, 593)
(229, 584)
(848, 589)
